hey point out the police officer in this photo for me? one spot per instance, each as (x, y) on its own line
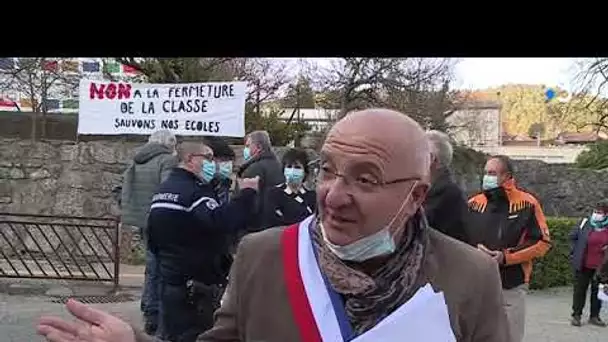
(188, 234)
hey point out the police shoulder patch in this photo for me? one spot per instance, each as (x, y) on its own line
(211, 204)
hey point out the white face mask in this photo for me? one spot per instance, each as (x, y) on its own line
(597, 217)
(375, 245)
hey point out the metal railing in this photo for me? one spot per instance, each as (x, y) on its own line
(59, 247)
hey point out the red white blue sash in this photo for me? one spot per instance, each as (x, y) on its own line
(319, 319)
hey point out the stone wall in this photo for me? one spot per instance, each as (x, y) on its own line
(64, 177)
(562, 189)
(61, 178)
(67, 178)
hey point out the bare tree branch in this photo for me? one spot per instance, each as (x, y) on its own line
(414, 86)
(39, 79)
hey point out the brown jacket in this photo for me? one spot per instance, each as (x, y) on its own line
(256, 306)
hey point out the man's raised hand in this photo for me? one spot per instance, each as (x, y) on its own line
(249, 183)
(92, 326)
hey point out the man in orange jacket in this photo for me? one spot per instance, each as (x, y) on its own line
(508, 224)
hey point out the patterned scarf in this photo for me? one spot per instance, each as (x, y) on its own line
(369, 298)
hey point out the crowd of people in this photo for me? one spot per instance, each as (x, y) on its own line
(387, 245)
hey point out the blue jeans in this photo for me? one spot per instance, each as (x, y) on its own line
(151, 294)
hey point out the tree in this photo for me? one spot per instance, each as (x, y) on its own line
(592, 81)
(522, 105)
(281, 133)
(579, 114)
(41, 79)
(525, 106)
(536, 130)
(265, 78)
(181, 70)
(299, 95)
(418, 87)
(596, 157)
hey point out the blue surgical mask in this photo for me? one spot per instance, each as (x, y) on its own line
(246, 153)
(208, 170)
(375, 245)
(599, 221)
(293, 175)
(225, 169)
(489, 182)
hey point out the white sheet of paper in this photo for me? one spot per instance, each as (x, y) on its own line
(423, 318)
(601, 295)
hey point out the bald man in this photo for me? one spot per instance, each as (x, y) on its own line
(366, 267)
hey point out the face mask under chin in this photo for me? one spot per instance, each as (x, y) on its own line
(380, 243)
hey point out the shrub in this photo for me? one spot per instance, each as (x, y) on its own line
(554, 268)
(595, 157)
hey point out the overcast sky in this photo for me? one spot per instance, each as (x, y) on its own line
(477, 73)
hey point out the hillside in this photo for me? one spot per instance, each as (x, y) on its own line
(523, 105)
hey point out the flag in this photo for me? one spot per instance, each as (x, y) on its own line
(7, 63)
(51, 66)
(6, 102)
(51, 104)
(70, 66)
(111, 67)
(127, 69)
(70, 104)
(90, 66)
(25, 102)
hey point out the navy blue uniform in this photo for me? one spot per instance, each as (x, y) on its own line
(189, 234)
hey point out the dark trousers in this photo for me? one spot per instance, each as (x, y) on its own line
(150, 295)
(182, 316)
(582, 280)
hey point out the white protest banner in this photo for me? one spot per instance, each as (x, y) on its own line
(212, 109)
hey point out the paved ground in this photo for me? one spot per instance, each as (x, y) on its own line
(547, 317)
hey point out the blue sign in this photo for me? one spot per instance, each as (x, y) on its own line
(549, 94)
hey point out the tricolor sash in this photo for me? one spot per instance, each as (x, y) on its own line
(319, 311)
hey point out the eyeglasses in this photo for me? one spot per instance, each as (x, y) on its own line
(360, 183)
(207, 156)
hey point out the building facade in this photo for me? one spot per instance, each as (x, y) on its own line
(317, 118)
(476, 124)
